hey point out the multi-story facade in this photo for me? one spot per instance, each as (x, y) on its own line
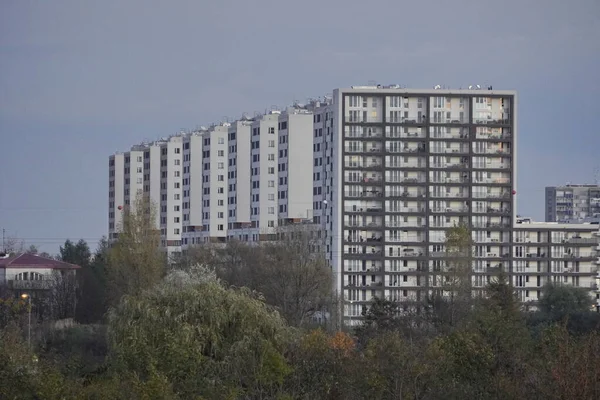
(407, 165)
(153, 169)
(572, 203)
(383, 172)
(555, 253)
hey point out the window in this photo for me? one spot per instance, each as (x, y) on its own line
(220, 215)
(176, 196)
(221, 140)
(221, 165)
(271, 224)
(271, 170)
(271, 210)
(177, 162)
(271, 196)
(176, 220)
(271, 183)
(271, 143)
(176, 231)
(177, 150)
(221, 153)
(176, 208)
(271, 157)
(220, 227)
(272, 130)
(221, 178)
(176, 185)
(177, 174)
(220, 202)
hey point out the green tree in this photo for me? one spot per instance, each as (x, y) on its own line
(93, 299)
(135, 260)
(78, 254)
(560, 301)
(205, 340)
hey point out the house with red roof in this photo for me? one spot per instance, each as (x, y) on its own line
(28, 273)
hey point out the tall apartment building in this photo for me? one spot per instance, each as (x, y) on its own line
(572, 203)
(383, 172)
(404, 167)
(153, 169)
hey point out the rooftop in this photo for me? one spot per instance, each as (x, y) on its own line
(34, 261)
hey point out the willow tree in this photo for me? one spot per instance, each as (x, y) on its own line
(206, 340)
(135, 259)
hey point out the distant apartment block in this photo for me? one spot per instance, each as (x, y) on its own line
(572, 203)
(555, 253)
(382, 172)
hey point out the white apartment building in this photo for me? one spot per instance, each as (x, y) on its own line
(155, 170)
(383, 171)
(239, 182)
(561, 254)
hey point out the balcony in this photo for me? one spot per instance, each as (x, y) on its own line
(360, 224)
(361, 119)
(407, 149)
(414, 119)
(449, 209)
(406, 135)
(578, 240)
(408, 210)
(489, 121)
(446, 195)
(370, 208)
(405, 194)
(449, 180)
(369, 148)
(29, 285)
(406, 180)
(456, 120)
(449, 165)
(493, 151)
(402, 224)
(364, 194)
(451, 135)
(491, 165)
(493, 136)
(461, 150)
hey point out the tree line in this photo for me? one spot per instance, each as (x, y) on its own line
(235, 321)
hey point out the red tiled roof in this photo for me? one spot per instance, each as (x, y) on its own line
(33, 261)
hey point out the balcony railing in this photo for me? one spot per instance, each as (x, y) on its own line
(364, 149)
(405, 180)
(402, 224)
(493, 136)
(408, 135)
(30, 285)
(449, 209)
(404, 194)
(463, 150)
(490, 166)
(451, 120)
(482, 121)
(361, 120)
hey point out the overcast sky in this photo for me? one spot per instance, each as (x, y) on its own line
(80, 80)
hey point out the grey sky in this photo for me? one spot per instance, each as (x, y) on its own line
(80, 80)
